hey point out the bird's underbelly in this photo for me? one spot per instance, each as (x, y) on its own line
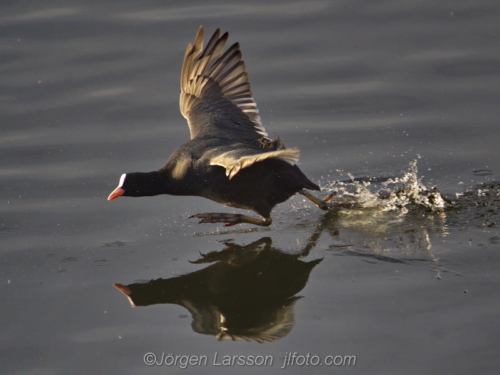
(257, 189)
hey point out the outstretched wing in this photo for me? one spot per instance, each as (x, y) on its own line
(215, 92)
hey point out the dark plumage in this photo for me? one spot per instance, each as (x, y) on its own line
(230, 159)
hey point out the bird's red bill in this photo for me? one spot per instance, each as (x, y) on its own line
(116, 193)
(122, 288)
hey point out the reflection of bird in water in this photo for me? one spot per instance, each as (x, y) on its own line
(249, 293)
(230, 158)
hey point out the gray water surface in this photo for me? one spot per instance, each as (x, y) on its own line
(89, 90)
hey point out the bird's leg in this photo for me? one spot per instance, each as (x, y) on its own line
(321, 203)
(231, 219)
(325, 203)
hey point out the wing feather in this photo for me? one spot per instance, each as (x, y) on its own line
(235, 160)
(215, 91)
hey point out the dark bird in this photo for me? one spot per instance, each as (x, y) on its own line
(230, 158)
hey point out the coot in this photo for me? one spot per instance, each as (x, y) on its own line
(230, 158)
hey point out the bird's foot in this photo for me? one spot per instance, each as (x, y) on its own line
(326, 203)
(230, 219)
(321, 203)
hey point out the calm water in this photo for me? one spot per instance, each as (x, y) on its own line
(89, 90)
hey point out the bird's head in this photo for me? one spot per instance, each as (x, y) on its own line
(139, 185)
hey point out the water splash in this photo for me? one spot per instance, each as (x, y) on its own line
(400, 219)
(398, 193)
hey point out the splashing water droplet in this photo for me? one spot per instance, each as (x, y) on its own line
(393, 194)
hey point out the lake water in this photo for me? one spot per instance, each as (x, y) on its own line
(89, 90)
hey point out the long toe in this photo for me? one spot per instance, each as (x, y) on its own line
(329, 196)
(229, 219)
